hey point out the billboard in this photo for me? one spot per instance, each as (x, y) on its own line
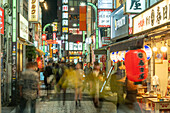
(105, 4)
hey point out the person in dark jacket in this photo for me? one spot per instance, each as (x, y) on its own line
(47, 73)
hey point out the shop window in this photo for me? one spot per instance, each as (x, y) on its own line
(75, 3)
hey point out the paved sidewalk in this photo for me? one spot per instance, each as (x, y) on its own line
(55, 105)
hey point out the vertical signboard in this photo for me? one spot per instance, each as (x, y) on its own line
(14, 50)
(23, 27)
(82, 18)
(33, 10)
(1, 21)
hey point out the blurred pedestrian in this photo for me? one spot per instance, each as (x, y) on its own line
(29, 88)
(131, 105)
(47, 73)
(78, 83)
(96, 77)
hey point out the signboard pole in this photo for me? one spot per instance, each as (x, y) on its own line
(83, 42)
(14, 51)
(0, 72)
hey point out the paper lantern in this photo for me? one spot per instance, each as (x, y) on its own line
(39, 63)
(136, 65)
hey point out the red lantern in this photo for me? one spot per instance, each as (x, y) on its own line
(136, 65)
(39, 63)
(44, 37)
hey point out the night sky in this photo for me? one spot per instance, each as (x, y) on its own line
(51, 14)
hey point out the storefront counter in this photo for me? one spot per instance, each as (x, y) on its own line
(145, 102)
(157, 106)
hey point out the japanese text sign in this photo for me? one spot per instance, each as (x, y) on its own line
(33, 10)
(135, 6)
(152, 18)
(1, 21)
(104, 18)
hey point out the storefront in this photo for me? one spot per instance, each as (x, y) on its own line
(154, 22)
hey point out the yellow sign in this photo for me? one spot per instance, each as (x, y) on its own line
(51, 51)
(33, 10)
(65, 29)
(55, 27)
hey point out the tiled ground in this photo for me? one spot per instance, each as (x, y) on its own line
(55, 105)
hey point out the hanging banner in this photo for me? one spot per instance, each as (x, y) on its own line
(1, 21)
(33, 12)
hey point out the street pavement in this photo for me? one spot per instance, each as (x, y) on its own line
(55, 104)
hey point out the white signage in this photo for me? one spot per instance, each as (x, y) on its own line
(105, 4)
(80, 47)
(88, 41)
(135, 6)
(65, 8)
(71, 44)
(104, 18)
(75, 46)
(65, 23)
(33, 10)
(152, 18)
(23, 27)
(65, 1)
(65, 15)
(119, 23)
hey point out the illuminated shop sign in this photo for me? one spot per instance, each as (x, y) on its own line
(23, 27)
(33, 10)
(65, 8)
(135, 6)
(104, 18)
(75, 31)
(1, 21)
(64, 22)
(65, 1)
(105, 4)
(65, 15)
(153, 17)
(65, 29)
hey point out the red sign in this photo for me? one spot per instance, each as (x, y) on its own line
(51, 42)
(44, 37)
(1, 21)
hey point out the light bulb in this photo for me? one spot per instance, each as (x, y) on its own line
(155, 48)
(163, 49)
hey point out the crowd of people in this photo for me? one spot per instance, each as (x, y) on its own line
(63, 76)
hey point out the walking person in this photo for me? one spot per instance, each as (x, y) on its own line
(29, 88)
(47, 74)
(96, 77)
(78, 83)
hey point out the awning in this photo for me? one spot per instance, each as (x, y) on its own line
(40, 51)
(101, 51)
(131, 43)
